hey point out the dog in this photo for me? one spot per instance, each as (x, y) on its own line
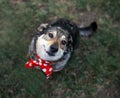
(55, 42)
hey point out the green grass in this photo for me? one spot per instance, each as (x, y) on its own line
(94, 69)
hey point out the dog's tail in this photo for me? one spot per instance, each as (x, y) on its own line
(89, 30)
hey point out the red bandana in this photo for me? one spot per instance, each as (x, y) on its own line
(43, 65)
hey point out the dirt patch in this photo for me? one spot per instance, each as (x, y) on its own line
(112, 91)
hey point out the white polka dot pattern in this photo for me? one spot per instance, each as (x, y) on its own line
(43, 65)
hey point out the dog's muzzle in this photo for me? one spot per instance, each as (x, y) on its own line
(53, 49)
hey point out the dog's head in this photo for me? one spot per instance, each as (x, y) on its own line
(53, 43)
(54, 40)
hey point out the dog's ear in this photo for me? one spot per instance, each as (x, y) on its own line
(89, 30)
(42, 27)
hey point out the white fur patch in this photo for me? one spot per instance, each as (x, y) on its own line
(42, 47)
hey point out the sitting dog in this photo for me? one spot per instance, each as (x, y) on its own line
(56, 41)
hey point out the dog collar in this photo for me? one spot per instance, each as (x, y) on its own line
(42, 64)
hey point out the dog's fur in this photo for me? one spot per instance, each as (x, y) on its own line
(55, 41)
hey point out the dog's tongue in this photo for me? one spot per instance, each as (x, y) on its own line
(43, 65)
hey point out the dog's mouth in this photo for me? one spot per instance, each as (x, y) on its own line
(50, 53)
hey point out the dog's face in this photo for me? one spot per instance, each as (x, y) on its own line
(53, 44)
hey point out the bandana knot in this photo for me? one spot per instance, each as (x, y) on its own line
(42, 64)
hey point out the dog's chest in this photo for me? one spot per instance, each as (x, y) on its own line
(59, 65)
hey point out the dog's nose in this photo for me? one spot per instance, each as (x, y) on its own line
(54, 47)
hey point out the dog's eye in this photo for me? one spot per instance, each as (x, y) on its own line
(63, 42)
(50, 35)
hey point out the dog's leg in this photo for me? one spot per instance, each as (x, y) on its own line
(88, 31)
